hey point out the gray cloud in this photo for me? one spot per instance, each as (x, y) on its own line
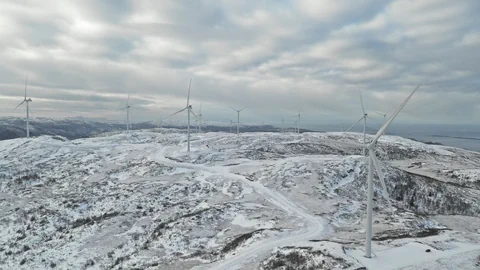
(272, 57)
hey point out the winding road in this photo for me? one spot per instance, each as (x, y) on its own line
(314, 225)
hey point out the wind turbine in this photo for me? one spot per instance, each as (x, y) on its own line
(297, 122)
(200, 119)
(364, 118)
(26, 101)
(374, 162)
(384, 118)
(128, 112)
(238, 119)
(189, 111)
(283, 125)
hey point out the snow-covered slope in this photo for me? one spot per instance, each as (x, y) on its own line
(260, 200)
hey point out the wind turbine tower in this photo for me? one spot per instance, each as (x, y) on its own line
(238, 119)
(374, 163)
(189, 111)
(200, 119)
(128, 113)
(26, 101)
(297, 122)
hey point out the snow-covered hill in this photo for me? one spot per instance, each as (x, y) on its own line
(257, 201)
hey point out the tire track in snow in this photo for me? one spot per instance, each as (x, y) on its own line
(315, 226)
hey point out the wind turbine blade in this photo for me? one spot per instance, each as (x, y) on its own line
(361, 101)
(241, 109)
(20, 104)
(348, 129)
(200, 110)
(122, 108)
(381, 176)
(193, 113)
(349, 144)
(179, 111)
(390, 120)
(379, 113)
(128, 98)
(188, 97)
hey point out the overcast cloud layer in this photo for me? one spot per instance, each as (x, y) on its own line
(271, 57)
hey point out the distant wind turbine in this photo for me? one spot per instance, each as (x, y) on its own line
(384, 118)
(374, 162)
(200, 119)
(189, 111)
(297, 122)
(238, 119)
(26, 101)
(364, 118)
(283, 125)
(128, 112)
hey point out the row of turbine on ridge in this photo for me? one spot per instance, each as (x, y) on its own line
(373, 162)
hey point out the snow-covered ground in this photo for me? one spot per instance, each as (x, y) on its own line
(257, 201)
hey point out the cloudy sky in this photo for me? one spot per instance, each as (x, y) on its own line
(272, 57)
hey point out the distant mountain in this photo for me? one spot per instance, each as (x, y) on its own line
(75, 128)
(13, 127)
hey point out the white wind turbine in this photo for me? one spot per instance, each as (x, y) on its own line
(384, 117)
(297, 122)
(200, 119)
(364, 118)
(374, 162)
(196, 124)
(26, 101)
(283, 125)
(127, 107)
(238, 119)
(189, 111)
